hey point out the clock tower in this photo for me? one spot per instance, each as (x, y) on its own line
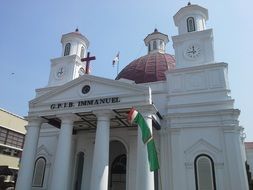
(194, 43)
(69, 66)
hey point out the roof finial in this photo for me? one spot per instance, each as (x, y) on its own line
(189, 3)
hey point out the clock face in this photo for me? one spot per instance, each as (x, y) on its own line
(192, 52)
(60, 72)
(81, 71)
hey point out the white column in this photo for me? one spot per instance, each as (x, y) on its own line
(99, 176)
(131, 161)
(63, 154)
(165, 161)
(234, 164)
(25, 174)
(177, 158)
(145, 178)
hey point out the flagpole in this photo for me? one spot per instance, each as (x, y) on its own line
(116, 61)
(159, 173)
(118, 68)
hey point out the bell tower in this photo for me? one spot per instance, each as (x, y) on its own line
(194, 43)
(69, 66)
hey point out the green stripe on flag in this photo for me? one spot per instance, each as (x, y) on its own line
(147, 138)
(145, 131)
(152, 156)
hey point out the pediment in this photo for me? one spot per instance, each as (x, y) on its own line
(42, 152)
(202, 144)
(100, 88)
(201, 147)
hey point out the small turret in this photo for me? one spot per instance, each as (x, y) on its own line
(156, 42)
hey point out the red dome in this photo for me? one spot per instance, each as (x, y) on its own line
(148, 68)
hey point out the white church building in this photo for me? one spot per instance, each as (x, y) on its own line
(79, 138)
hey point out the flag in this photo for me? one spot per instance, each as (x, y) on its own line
(155, 123)
(147, 138)
(115, 60)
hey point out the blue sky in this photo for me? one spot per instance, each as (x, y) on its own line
(31, 31)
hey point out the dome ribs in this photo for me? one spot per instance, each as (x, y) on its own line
(138, 75)
(148, 68)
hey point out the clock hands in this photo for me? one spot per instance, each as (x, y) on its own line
(60, 72)
(193, 51)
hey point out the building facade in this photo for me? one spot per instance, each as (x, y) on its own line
(12, 136)
(79, 137)
(249, 162)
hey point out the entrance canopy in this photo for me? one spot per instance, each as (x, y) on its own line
(88, 120)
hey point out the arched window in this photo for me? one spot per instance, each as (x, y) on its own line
(82, 52)
(204, 173)
(154, 45)
(149, 47)
(161, 45)
(118, 172)
(39, 172)
(79, 170)
(67, 49)
(190, 24)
